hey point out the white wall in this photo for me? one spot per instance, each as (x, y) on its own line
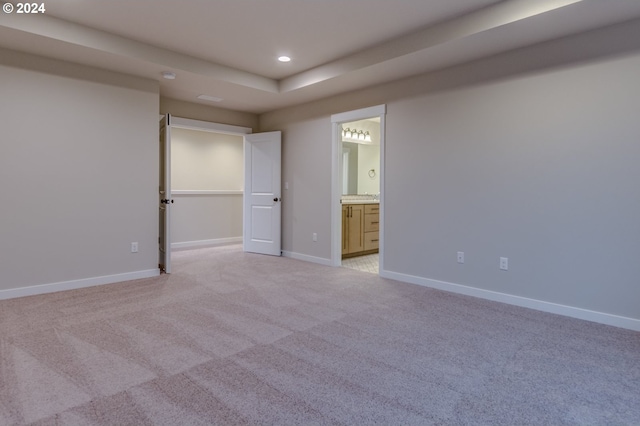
(79, 173)
(206, 161)
(209, 164)
(532, 155)
(542, 169)
(306, 167)
(204, 220)
(368, 159)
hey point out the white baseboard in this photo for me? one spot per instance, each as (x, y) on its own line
(205, 243)
(75, 284)
(540, 305)
(307, 258)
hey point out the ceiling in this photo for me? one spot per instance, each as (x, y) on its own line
(228, 48)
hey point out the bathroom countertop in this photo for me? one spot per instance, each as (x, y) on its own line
(360, 201)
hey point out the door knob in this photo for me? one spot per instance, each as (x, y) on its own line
(276, 199)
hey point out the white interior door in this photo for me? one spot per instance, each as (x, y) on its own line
(262, 202)
(164, 196)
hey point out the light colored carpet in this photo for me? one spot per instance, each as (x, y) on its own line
(234, 338)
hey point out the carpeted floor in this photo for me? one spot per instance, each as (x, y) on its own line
(234, 338)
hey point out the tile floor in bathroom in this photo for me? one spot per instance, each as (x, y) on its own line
(368, 263)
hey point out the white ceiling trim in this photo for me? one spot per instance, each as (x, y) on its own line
(474, 23)
(208, 126)
(80, 35)
(452, 33)
(466, 26)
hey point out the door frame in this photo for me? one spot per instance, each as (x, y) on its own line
(209, 126)
(164, 187)
(336, 177)
(205, 126)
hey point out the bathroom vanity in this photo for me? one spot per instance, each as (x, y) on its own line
(360, 228)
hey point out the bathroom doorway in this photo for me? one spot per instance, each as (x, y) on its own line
(358, 189)
(361, 194)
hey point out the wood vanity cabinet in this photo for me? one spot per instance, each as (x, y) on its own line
(352, 228)
(360, 229)
(371, 227)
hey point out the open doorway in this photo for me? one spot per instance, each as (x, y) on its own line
(361, 194)
(358, 189)
(259, 191)
(195, 188)
(207, 171)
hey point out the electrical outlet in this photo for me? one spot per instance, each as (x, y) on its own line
(504, 263)
(460, 257)
(134, 247)
(315, 237)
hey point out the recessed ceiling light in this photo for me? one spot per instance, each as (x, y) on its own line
(284, 59)
(209, 98)
(169, 75)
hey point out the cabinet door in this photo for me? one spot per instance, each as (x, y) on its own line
(356, 228)
(371, 222)
(352, 228)
(371, 241)
(372, 209)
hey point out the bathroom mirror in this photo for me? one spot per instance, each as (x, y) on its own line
(360, 158)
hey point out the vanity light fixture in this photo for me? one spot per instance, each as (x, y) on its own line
(356, 135)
